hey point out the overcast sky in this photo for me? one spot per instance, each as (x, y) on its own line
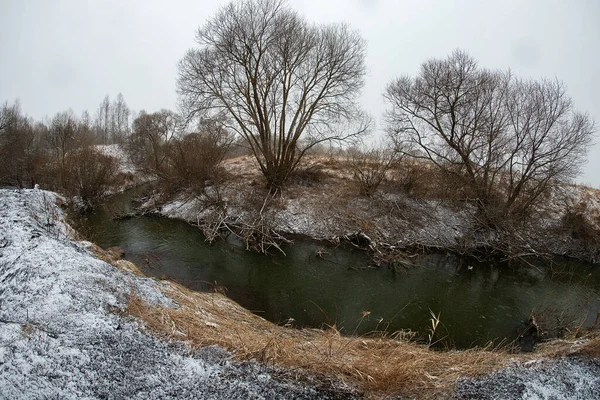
(70, 54)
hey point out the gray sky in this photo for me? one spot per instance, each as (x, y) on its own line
(71, 53)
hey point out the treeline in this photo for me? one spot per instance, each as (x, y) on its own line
(60, 153)
(70, 154)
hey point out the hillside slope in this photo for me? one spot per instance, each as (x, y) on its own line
(63, 333)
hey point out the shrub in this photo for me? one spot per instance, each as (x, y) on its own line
(371, 168)
(194, 162)
(89, 173)
(308, 175)
(574, 221)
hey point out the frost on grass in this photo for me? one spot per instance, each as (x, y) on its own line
(62, 333)
(562, 379)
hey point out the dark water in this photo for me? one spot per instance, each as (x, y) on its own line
(476, 302)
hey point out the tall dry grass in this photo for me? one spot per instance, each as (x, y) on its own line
(379, 366)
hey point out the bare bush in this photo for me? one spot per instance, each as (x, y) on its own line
(194, 161)
(148, 143)
(308, 175)
(574, 222)
(370, 168)
(258, 232)
(90, 174)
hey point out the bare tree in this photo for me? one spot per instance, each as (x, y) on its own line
(277, 79)
(9, 115)
(103, 121)
(504, 138)
(120, 119)
(63, 135)
(151, 134)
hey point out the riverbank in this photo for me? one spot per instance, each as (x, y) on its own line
(74, 326)
(65, 331)
(322, 203)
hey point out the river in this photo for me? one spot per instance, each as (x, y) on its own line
(318, 285)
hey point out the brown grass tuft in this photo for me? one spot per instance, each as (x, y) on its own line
(591, 348)
(111, 258)
(380, 366)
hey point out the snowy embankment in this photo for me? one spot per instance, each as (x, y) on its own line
(63, 333)
(128, 175)
(559, 379)
(566, 224)
(117, 151)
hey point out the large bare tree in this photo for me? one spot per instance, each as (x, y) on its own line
(505, 138)
(284, 84)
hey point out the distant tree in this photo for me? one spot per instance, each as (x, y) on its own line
(283, 84)
(63, 137)
(19, 147)
(503, 138)
(151, 134)
(9, 115)
(103, 121)
(86, 121)
(120, 119)
(112, 120)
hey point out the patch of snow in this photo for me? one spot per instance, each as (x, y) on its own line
(117, 151)
(562, 379)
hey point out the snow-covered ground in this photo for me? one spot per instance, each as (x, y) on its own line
(117, 151)
(63, 333)
(128, 175)
(563, 379)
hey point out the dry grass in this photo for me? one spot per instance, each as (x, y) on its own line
(378, 366)
(591, 348)
(111, 258)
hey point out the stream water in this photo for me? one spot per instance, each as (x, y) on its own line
(316, 285)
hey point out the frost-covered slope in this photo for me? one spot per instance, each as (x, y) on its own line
(117, 151)
(561, 379)
(62, 333)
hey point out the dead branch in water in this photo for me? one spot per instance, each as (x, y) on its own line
(256, 230)
(258, 233)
